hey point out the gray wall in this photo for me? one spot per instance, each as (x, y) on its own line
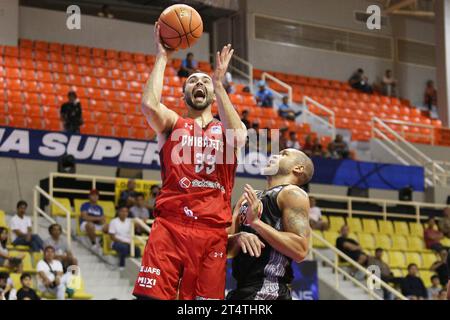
(9, 22)
(332, 65)
(48, 25)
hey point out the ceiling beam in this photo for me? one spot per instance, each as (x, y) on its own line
(399, 5)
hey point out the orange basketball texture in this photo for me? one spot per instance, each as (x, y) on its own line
(180, 26)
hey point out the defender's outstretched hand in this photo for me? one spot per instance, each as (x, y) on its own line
(222, 60)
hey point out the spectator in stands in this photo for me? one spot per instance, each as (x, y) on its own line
(50, 274)
(441, 267)
(285, 111)
(389, 84)
(21, 229)
(350, 247)
(435, 289)
(62, 252)
(264, 96)
(228, 83)
(412, 286)
(128, 197)
(188, 66)
(244, 119)
(6, 260)
(432, 236)
(385, 271)
(26, 292)
(444, 224)
(7, 291)
(154, 192)
(338, 148)
(292, 142)
(120, 232)
(139, 210)
(359, 81)
(71, 114)
(430, 96)
(92, 219)
(315, 216)
(442, 295)
(283, 141)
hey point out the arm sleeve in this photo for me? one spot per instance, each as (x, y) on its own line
(13, 224)
(40, 266)
(112, 227)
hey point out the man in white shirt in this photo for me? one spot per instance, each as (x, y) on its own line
(315, 216)
(292, 142)
(120, 232)
(21, 229)
(50, 274)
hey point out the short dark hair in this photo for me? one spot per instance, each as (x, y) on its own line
(50, 228)
(139, 194)
(434, 276)
(21, 203)
(411, 265)
(155, 186)
(4, 275)
(360, 70)
(379, 249)
(49, 247)
(189, 54)
(121, 206)
(292, 132)
(25, 275)
(72, 93)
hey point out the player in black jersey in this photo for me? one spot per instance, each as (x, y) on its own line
(270, 229)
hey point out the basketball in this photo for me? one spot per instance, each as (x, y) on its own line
(181, 26)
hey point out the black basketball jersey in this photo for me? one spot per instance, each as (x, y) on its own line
(271, 269)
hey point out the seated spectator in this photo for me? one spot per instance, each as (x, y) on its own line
(412, 286)
(444, 224)
(432, 236)
(245, 120)
(441, 267)
(389, 84)
(26, 292)
(92, 219)
(154, 192)
(430, 96)
(119, 230)
(360, 82)
(50, 275)
(188, 66)
(315, 216)
(264, 96)
(317, 149)
(338, 148)
(292, 142)
(350, 247)
(139, 210)
(435, 289)
(7, 291)
(443, 295)
(285, 111)
(13, 263)
(21, 229)
(128, 196)
(385, 271)
(228, 83)
(62, 252)
(71, 114)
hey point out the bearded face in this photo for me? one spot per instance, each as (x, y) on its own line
(199, 91)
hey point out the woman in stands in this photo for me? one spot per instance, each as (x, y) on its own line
(6, 260)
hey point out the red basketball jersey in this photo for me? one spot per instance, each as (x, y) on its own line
(197, 170)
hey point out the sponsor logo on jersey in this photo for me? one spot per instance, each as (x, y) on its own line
(207, 184)
(216, 129)
(152, 270)
(216, 254)
(190, 126)
(189, 213)
(185, 183)
(146, 282)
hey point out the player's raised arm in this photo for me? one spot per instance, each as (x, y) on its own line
(228, 115)
(160, 118)
(293, 241)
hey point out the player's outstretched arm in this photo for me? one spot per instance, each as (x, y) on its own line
(159, 117)
(293, 242)
(228, 115)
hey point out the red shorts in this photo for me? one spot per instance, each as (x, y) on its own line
(183, 260)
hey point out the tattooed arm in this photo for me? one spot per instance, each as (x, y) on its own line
(293, 241)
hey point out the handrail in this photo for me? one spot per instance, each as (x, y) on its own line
(36, 209)
(266, 75)
(133, 235)
(331, 124)
(413, 124)
(342, 255)
(419, 158)
(248, 75)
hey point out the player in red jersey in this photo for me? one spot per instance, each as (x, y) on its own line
(185, 255)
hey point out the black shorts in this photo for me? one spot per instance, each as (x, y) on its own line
(266, 290)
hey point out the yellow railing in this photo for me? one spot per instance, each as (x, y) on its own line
(338, 270)
(382, 202)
